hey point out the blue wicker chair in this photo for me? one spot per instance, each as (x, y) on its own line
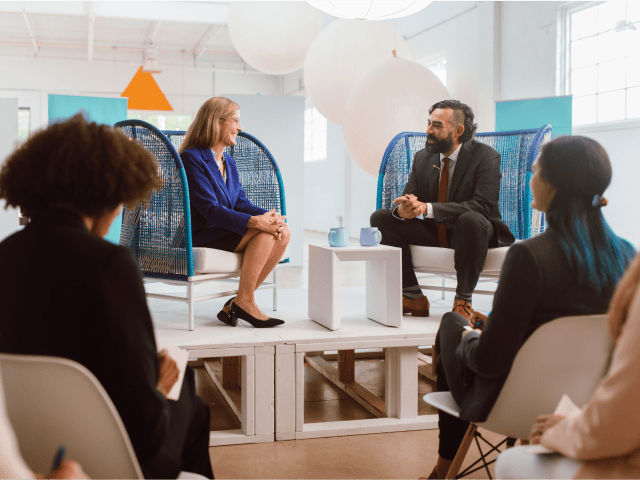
(160, 234)
(518, 150)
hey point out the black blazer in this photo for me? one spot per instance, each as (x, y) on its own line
(67, 293)
(475, 186)
(537, 285)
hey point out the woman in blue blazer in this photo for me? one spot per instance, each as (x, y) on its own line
(221, 215)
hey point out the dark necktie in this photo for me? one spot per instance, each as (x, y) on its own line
(442, 198)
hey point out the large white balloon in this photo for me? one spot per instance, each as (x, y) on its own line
(341, 55)
(273, 37)
(370, 10)
(394, 97)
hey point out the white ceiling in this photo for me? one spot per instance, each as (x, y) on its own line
(183, 33)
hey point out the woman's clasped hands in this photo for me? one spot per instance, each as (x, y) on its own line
(270, 222)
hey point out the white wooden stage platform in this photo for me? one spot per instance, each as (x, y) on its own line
(271, 406)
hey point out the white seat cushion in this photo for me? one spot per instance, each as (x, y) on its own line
(210, 260)
(440, 260)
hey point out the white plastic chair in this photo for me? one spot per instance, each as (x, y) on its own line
(569, 355)
(55, 401)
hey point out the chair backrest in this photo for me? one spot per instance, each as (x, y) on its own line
(569, 355)
(518, 150)
(160, 234)
(55, 401)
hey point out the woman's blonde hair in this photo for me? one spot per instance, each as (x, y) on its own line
(205, 130)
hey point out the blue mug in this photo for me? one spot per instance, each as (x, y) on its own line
(370, 236)
(339, 237)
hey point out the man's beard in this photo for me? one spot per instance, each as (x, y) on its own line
(439, 146)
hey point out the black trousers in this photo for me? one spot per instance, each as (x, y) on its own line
(469, 238)
(454, 378)
(186, 447)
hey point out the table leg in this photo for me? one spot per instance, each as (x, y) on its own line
(384, 290)
(324, 287)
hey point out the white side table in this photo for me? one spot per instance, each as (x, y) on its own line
(384, 283)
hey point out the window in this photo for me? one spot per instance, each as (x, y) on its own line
(601, 61)
(24, 124)
(315, 135)
(438, 65)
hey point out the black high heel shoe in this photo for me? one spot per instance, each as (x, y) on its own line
(237, 312)
(224, 316)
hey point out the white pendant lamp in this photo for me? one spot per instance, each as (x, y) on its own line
(392, 98)
(369, 10)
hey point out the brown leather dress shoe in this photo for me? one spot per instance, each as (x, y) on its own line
(463, 308)
(418, 307)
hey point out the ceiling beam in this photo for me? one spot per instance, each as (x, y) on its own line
(207, 39)
(153, 31)
(91, 21)
(31, 32)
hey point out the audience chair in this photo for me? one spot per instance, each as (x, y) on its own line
(160, 234)
(569, 355)
(53, 402)
(518, 150)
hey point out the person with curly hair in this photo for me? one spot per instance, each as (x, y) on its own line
(222, 217)
(460, 209)
(67, 292)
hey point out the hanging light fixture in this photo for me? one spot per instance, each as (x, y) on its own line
(369, 10)
(151, 63)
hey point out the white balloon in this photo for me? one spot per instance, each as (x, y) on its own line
(370, 10)
(273, 37)
(394, 97)
(341, 55)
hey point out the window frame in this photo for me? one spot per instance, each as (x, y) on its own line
(563, 61)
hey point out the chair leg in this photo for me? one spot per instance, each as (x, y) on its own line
(443, 285)
(454, 469)
(192, 323)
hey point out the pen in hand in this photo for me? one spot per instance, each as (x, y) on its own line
(57, 460)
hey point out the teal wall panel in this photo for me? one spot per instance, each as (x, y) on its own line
(534, 113)
(99, 109)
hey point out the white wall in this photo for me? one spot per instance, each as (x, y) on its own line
(9, 222)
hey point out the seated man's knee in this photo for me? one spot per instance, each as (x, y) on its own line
(472, 221)
(378, 217)
(451, 319)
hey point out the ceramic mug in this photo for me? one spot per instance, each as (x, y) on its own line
(370, 236)
(339, 237)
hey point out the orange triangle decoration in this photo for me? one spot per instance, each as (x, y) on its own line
(144, 93)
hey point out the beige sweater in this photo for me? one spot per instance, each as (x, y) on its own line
(607, 432)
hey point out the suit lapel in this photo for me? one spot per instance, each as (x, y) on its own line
(464, 158)
(217, 175)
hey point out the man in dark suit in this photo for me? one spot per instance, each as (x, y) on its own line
(454, 183)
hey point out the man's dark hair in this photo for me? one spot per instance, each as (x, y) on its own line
(459, 110)
(82, 165)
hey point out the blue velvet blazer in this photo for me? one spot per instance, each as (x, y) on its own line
(217, 208)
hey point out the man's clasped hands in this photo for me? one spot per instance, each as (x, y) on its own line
(410, 206)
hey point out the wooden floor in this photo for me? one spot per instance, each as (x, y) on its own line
(389, 455)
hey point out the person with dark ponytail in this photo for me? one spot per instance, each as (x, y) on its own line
(570, 269)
